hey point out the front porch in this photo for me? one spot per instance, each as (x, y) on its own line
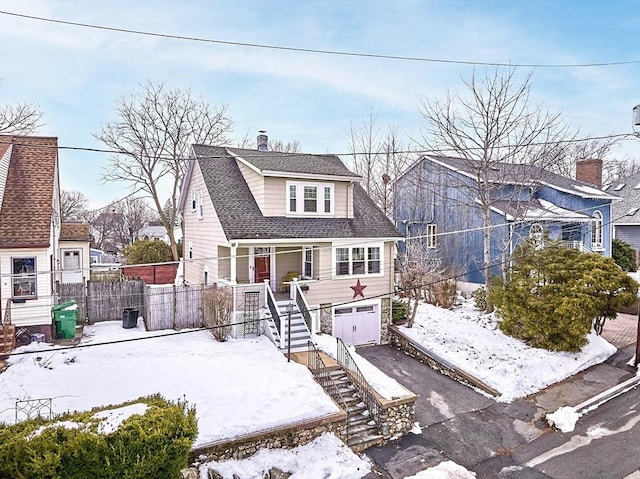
(285, 318)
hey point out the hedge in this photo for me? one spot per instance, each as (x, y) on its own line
(154, 445)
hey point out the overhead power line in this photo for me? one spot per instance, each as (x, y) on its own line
(320, 51)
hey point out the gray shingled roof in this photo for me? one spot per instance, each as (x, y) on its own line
(274, 161)
(241, 217)
(630, 199)
(521, 173)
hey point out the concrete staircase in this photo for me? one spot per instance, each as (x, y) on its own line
(362, 431)
(300, 335)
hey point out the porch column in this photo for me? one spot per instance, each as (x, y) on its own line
(234, 266)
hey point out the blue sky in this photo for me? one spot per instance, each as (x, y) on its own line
(77, 74)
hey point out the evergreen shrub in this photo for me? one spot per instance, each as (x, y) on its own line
(554, 294)
(153, 445)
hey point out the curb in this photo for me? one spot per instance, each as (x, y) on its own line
(598, 400)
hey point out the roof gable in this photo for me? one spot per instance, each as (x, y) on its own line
(27, 205)
(241, 217)
(269, 163)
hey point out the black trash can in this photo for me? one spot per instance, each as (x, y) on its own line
(129, 318)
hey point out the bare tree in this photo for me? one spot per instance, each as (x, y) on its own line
(73, 206)
(377, 156)
(419, 268)
(494, 125)
(136, 214)
(107, 227)
(562, 159)
(249, 142)
(613, 170)
(20, 119)
(152, 134)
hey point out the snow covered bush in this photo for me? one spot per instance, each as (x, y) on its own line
(149, 437)
(554, 294)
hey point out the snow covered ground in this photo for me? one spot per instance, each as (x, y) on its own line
(238, 387)
(472, 342)
(236, 384)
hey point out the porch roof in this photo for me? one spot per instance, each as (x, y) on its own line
(539, 210)
(241, 218)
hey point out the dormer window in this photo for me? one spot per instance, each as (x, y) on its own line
(309, 199)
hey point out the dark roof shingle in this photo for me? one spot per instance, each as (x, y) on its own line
(241, 217)
(75, 232)
(27, 205)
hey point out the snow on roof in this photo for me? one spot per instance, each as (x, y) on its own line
(593, 191)
(550, 211)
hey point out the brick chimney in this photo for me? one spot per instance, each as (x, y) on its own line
(590, 171)
(263, 141)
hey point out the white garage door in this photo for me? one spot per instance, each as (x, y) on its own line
(357, 325)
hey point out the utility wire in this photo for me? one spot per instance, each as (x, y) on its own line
(320, 51)
(621, 136)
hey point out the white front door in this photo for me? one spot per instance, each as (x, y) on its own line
(357, 325)
(72, 266)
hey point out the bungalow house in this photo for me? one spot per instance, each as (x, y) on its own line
(289, 229)
(29, 232)
(75, 239)
(438, 202)
(626, 212)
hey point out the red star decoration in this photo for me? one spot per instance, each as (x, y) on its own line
(358, 290)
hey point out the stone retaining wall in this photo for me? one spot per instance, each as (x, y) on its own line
(397, 417)
(403, 343)
(288, 437)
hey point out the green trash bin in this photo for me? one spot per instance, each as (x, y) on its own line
(65, 316)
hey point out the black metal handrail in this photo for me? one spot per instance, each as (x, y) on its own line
(273, 309)
(322, 375)
(303, 307)
(345, 360)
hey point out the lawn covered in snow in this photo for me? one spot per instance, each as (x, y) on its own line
(471, 341)
(238, 387)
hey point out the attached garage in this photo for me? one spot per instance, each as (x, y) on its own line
(357, 324)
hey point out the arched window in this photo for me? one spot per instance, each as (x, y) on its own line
(596, 230)
(536, 231)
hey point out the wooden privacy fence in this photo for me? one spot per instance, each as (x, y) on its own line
(175, 307)
(105, 301)
(163, 307)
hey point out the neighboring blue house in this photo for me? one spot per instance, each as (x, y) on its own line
(438, 200)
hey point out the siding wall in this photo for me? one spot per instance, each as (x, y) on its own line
(85, 260)
(256, 183)
(204, 235)
(629, 234)
(32, 311)
(430, 193)
(275, 196)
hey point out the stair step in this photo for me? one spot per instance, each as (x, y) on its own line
(364, 442)
(358, 429)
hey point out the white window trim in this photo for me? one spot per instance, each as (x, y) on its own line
(32, 276)
(432, 236)
(193, 201)
(597, 231)
(319, 198)
(200, 206)
(304, 261)
(366, 247)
